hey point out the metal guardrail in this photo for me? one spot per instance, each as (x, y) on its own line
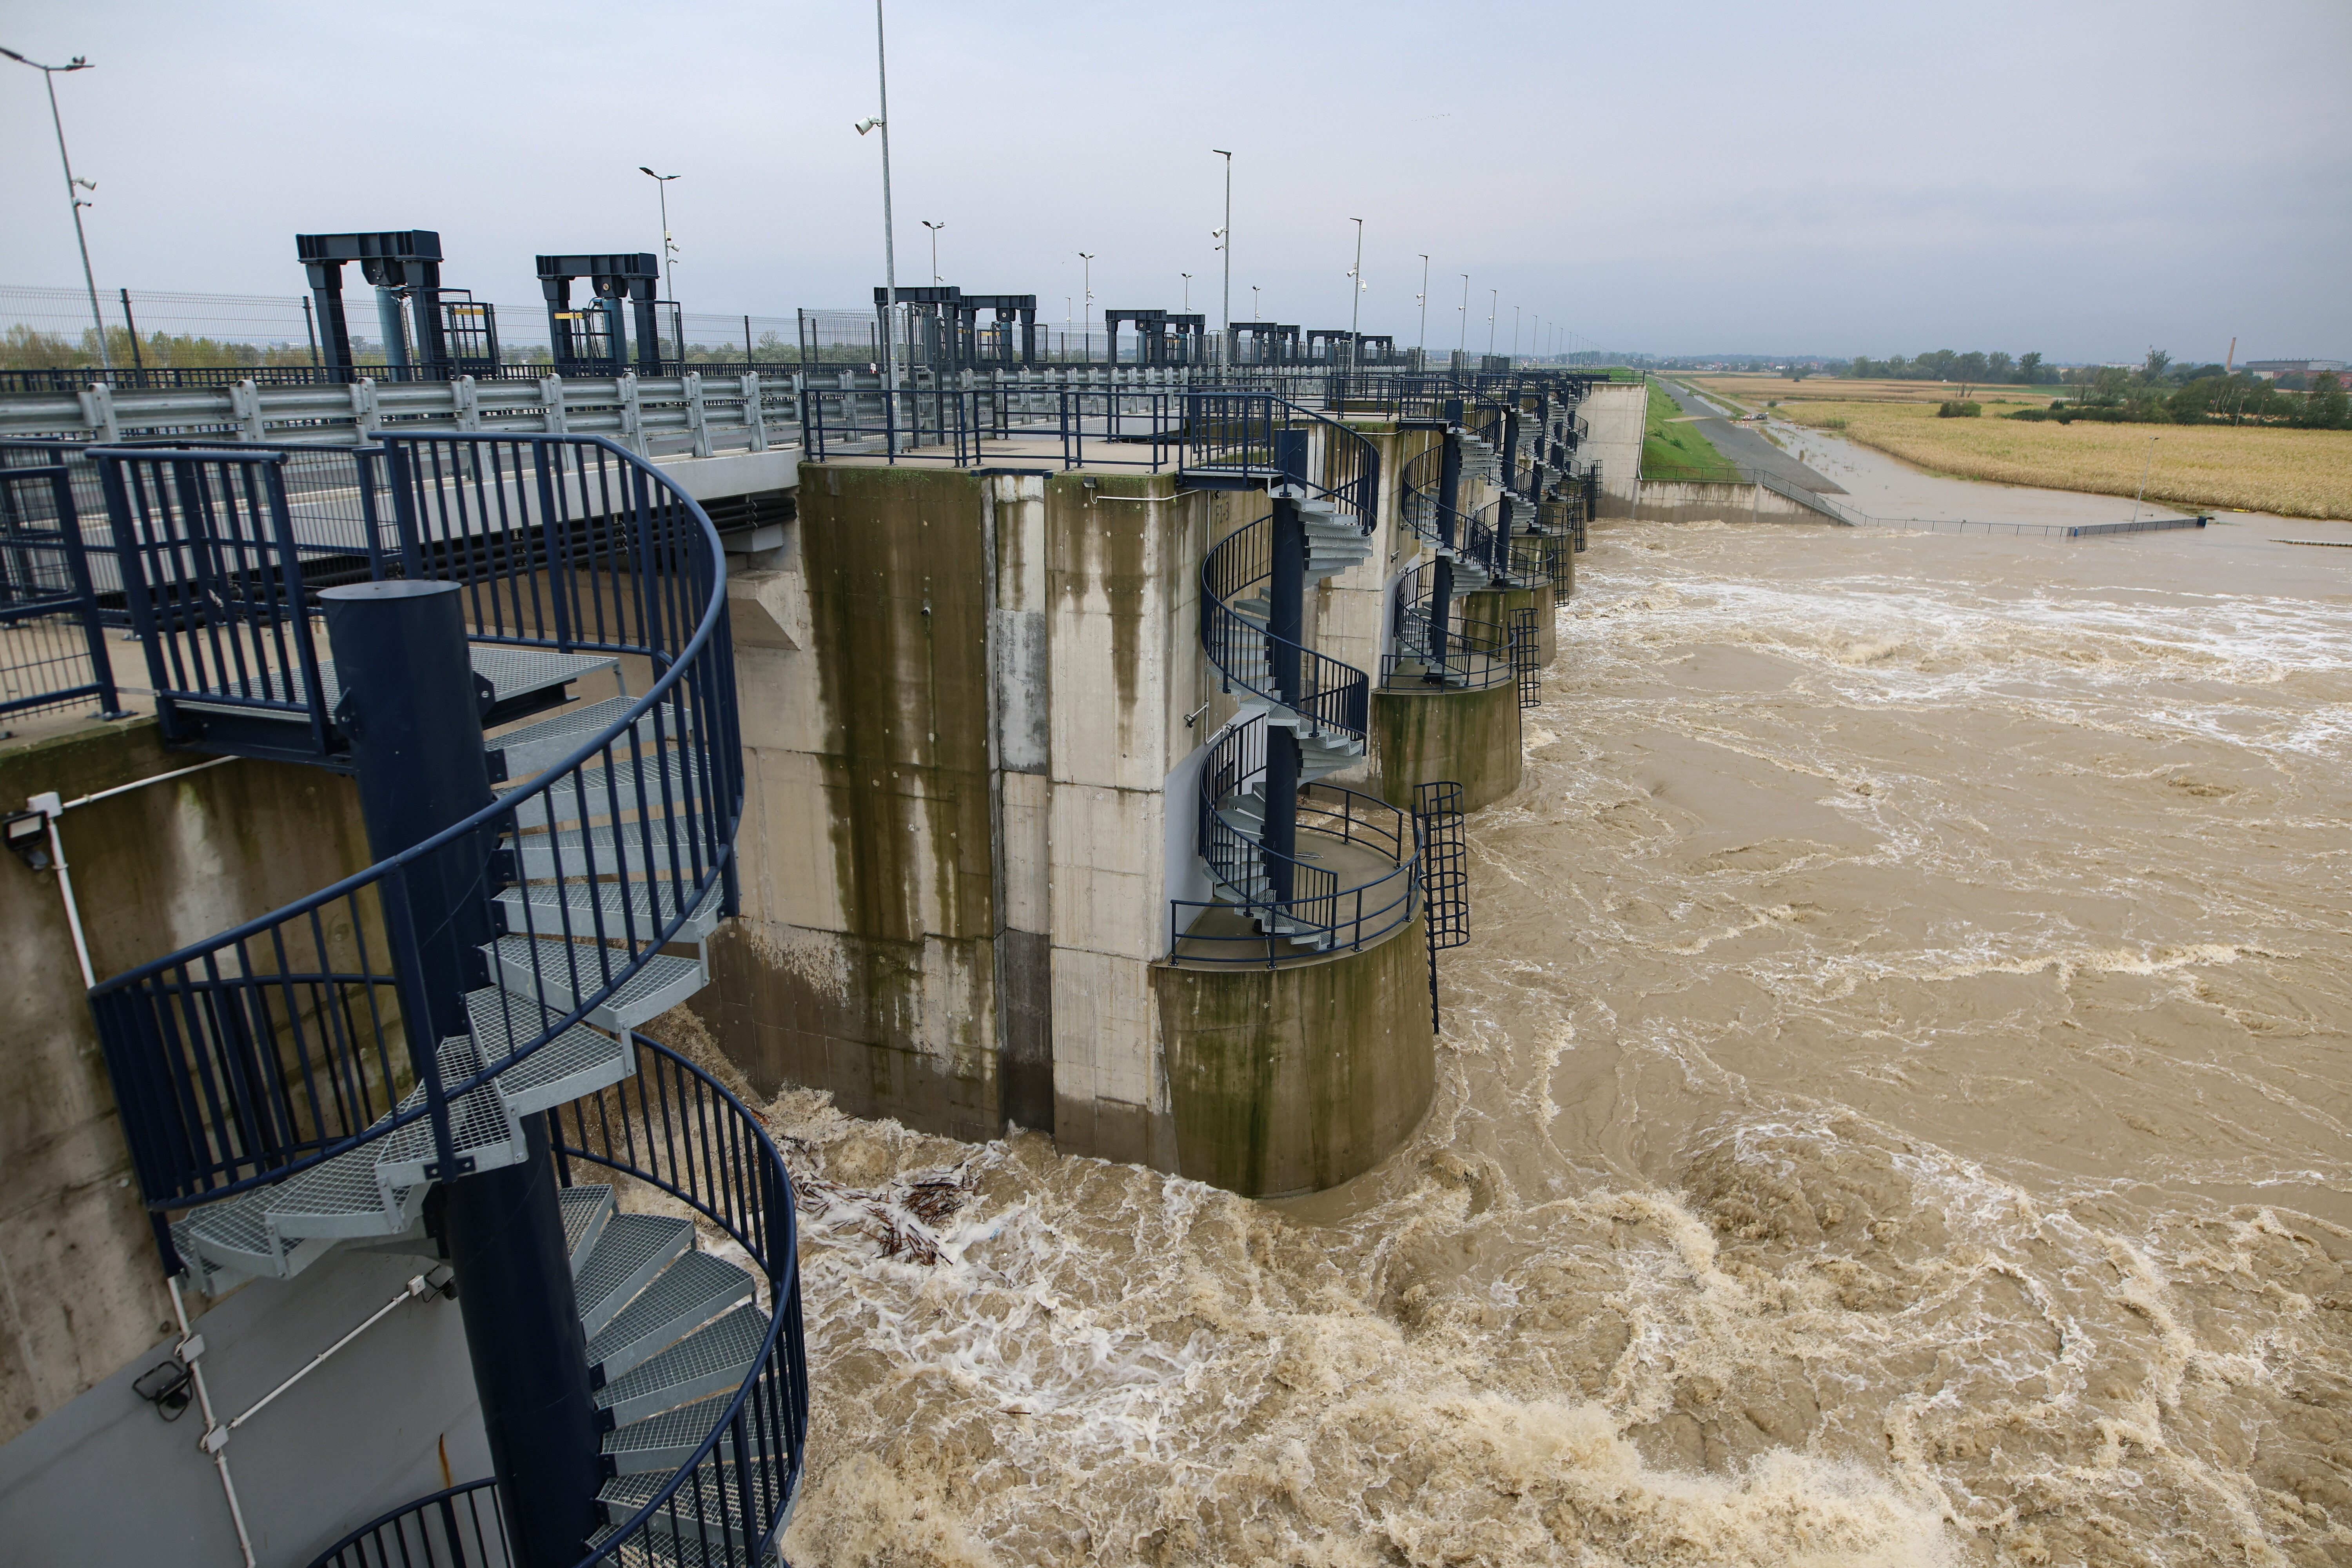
(676, 1128)
(258, 1052)
(665, 415)
(53, 651)
(1322, 915)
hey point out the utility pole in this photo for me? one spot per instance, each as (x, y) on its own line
(73, 189)
(1225, 244)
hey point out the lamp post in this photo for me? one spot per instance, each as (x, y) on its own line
(73, 188)
(1464, 347)
(669, 247)
(935, 228)
(881, 122)
(1188, 291)
(1421, 299)
(1254, 311)
(1494, 309)
(1356, 301)
(1225, 244)
(1515, 332)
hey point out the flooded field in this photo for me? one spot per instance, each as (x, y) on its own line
(1893, 1111)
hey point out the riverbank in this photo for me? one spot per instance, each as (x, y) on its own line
(2291, 473)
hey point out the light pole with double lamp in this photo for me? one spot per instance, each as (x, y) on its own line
(73, 188)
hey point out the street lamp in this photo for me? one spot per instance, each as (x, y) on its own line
(1253, 310)
(1494, 309)
(1188, 291)
(881, 122)
(935, 228)
(1421, 299)
(73, 188)
(1225, 244)
(1464, 347)
(1356, 303)
(1515, 332)
(669, 247)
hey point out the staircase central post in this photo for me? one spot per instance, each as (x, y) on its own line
(1503, 517)
(1286, 620)
(410, 708)
(1449, 502)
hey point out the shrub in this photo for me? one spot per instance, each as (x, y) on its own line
(1956, 409)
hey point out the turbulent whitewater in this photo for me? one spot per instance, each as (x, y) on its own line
(1893, 1111)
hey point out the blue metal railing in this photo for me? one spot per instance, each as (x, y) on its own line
(52, 633)
(1478, 651)
(676, 1127)
(1322, 915)
(245, 1058)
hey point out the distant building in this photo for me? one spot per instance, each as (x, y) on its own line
(2271, 369)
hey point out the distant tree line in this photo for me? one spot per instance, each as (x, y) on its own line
(2162, 392)
(2157, 392)
(26, 348)
(1976, 367)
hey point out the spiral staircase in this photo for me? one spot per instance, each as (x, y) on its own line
(1300, 716)
(340, 1073)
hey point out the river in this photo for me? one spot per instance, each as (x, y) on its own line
(1892, 1111)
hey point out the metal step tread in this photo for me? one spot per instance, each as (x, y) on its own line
(633, 1248)
(691, 1291)
(713, 1358)
(564, 974)
(655, 1549)
(596, 791)
(707, 1509)
(630, 911)
(577, 1062)
(532, 746)
(585, 1209)
(511, 672)
(664, 846)
(666, 1441)
(480, 1126)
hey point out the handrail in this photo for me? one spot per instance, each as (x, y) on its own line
(676, 1128)
(1320, 911)
(199, 1041)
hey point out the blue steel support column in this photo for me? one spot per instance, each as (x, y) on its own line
(396, 336)
(1285, 618)
(410, 708)
(1449, 497)
(1501, 565)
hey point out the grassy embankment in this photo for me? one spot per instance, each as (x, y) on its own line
(1677, 446)
(2293, 473)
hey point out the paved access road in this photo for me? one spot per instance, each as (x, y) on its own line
(1745, 446)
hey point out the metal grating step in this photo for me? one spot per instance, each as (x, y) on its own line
(662, 1550)
(712, 1359)
(596, 791)
(667, 1440)
(585, 1209)
(577, 1062)
(666, 846)
(633, 1248)
(689, 1293)
(707, 1509)
(534, 747)
(481, 1127)
(562, 974)
(631, 911)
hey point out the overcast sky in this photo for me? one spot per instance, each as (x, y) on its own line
(2082, 179)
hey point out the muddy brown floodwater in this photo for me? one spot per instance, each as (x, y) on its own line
(1894, 1111)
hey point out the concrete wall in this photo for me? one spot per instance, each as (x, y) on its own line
(1294, 1079)
(957, 851)
(1469, 737)
(1615, 413)
(88, 1471)
(1676, 502)
(1496, 605)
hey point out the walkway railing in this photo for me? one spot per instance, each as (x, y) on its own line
(53, 651)
(676, 1128)
(253, 1055)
